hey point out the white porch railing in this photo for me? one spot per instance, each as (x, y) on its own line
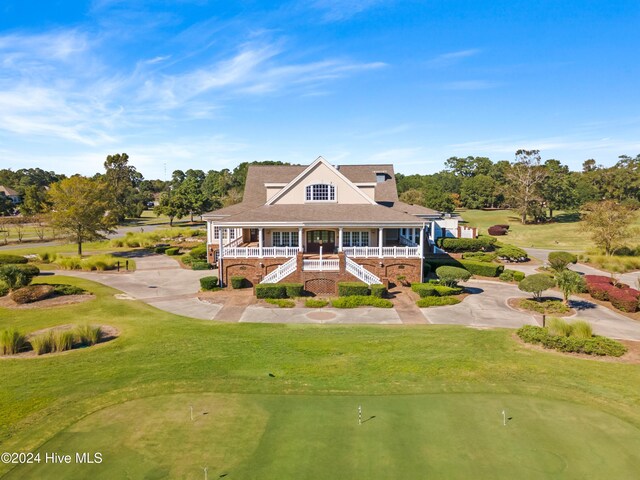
(254, 252)
(361, 273)
(282, 271)
(234, 243)
(394, 252)
(321, 265)
(407, 241)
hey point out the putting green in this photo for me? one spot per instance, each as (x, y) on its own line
(444, 436)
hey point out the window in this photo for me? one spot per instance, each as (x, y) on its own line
(216, 232)
(321, 192)
(284, 239)
(355, 239)
(381, 177)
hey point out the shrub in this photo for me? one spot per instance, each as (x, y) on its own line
(88, 334)
(199, 252)
(347, 289)
(600, 291)
(200, 266)
(591, 279)
(427, 302)
(238, 281)
(569, 282)
(42, 343)
(64, 289)
(546, 307)
(172, 251)
(426, 270)
(30, 270)
(623, 299)
(161, 249)
(378, 290)
(209, 283)
(497, 230)
(507, 275)
(271, 290)
(95, 262)
(445, 291)
(281, 302)
(480, 256)
(581, 329)
(187, 260)
(63, 340)
(315, 303)
(466, 244)
(425, 289)
(48, 257)
(560, 260)
(32, 293)
(483, 269)
(294, 289)
(536, 284)
(6, 259)
(4, 288)
(450, 276)
(11, 341)
(558, 326)
(14, 277)
(354, 301)
(512, 254)
(596, 345)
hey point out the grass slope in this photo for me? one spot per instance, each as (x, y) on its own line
(159, 354)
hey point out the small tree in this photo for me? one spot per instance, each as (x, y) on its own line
(536, 284)
(559, 261)
(569, 282)
(450, 276)
(608, 222)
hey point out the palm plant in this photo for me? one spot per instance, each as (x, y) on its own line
(569, 282)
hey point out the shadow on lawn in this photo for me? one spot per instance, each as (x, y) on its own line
(581, 305)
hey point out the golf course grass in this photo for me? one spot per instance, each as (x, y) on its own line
(274, 436)
(281, 401)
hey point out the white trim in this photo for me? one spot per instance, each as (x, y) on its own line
(308, 170)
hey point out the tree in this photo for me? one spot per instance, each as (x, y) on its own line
(525, 176)
(536, 284)
(469, 166)
(34, 201)
(124, 182)
(569, 282)
(412, 196)
(172, 205)
(558, 189)
(559, 261)
(478, 191)
(190, 191)
(609, 223)
(6, 205)
(450, 276)
(80, 207)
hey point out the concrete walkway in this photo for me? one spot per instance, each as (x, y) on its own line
(488, 308)
(350, 316)
(159, 281)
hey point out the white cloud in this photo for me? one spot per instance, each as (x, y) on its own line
(339, 10)
(450, 58)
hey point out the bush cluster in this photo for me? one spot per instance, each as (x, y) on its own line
(378, 290)
(466, 244)
(281, 302)
(346, 289)
(498, 230)
(480, 256)
(434, 290)
(200, 266)
(596, 345)
(511, 275)
(4, 288)
(12, 342)
(621, 296)
(209, 283)
(238, 281)
(161, 249)
(17, 276)
(294, 289)
(427, 302)
(279, 290)
(546, 307)
(511, 253)
(32, 293)
(151, 239)
(95, 262)
(172, 251)
(354, 301)
(450, 276)
(12, 259)
(484, 269)
(48, 257)
(560, 260)
(536, 284)
(315, 303)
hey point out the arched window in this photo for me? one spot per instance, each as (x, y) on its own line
(321, 192)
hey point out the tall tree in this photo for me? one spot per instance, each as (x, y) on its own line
(124, 181)
(80, 207)
(609, 223)
(190, 190)
(558, 189)
(172, 205)
(34, 201)
(478, 191)
(525, 176)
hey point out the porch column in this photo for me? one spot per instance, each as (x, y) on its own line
(421, 250)
(260, 241)
(340, 239)
(220, 242)
(300, 248)
(380, 240)
(220, 254)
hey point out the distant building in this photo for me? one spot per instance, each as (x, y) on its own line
(11, 194)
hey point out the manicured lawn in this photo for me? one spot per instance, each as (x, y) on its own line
(444, 436)
(436, 393)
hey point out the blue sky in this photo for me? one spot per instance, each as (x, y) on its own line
(209, 84)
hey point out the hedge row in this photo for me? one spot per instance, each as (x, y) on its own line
(209, 283)
(279, 290)
(354, 301)
(591, 346)
(511, 275)
(623, 298)
(12, 259)
(347, 289)
(238, 281)
(466, 244)
(427, 302)
(476, 268)
(431, 290)
(512, 254)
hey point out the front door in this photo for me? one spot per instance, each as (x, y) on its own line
(324, 238)
(253, 235)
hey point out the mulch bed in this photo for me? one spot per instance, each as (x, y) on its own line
(57, 301)
(514, 303)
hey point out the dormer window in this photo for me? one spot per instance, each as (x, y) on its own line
(381, 177)
(321, 192)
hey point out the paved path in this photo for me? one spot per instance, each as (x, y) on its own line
(489, 309)
(161, 282)
(349, 316)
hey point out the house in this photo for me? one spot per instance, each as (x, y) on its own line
(320, 224)
(10, 193)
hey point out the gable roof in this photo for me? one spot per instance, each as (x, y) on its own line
(318, 161)
(9, 192)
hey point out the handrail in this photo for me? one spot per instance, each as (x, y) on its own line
(282, 271)
(361, 273)
(321, 265)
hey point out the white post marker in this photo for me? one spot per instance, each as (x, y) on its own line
(205, 473)
(359, 414)
(504, 418)
(191, 407)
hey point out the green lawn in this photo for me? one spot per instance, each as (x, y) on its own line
(436, 393)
